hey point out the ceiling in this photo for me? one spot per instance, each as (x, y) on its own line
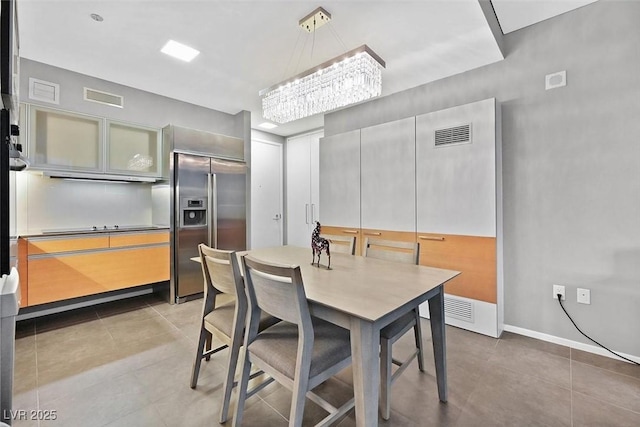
(247, 46)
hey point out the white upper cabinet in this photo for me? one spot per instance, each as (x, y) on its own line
(388, 176)
(303, 204)
(456, 170)
(340, 179)
(133, 150)
(65, 141)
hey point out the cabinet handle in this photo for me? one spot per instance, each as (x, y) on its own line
(350, 231)
(440, 239)
(372, 234)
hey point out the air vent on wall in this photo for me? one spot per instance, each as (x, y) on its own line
(453, 135)
(103, 97)
(459, 309)
(41, 90)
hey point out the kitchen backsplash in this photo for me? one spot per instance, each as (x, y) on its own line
(49, 203)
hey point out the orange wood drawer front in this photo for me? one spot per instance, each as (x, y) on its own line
(345, 231)
(23, 271)
(134, 239)
(69, 276)
(48, 246)
(474, 256)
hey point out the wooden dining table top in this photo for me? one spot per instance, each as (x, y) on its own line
(367, 288)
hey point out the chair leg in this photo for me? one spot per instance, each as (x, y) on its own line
(195, 371)
(242, 390)
(417, 329)
(385, 378)
(234, 352)
(208, 343)
(298, 399)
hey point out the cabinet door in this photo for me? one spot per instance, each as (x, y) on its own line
(340, 180)
(388, 176)
(303, 205)
(456, 176)
(298, 191)
(65, 141)
(133, 150)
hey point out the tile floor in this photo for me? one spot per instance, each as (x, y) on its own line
(128, 363)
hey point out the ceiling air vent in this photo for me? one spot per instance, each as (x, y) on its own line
(459, 309)
(103, 97)
(453, 135)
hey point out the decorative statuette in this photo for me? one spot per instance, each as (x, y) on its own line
(319, 244)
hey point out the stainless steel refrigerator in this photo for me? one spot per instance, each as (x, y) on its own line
(207, 194)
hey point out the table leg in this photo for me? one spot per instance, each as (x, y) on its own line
(436, 314)
(365, 344)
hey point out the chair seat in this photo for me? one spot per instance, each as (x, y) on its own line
(396, 327)
(278, 347)
(222, 319)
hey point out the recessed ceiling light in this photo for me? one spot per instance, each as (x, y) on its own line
(96, 17)
(267, 125)
(180, 51)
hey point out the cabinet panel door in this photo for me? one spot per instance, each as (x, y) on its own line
(298, 191)
(388, 176)
(340, 180)
(133, 150)
(66, 141)
(456, 183)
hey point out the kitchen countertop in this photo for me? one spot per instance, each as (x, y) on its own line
(88, 230)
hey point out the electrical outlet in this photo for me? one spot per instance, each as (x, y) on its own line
(558, 289)
(584, 296)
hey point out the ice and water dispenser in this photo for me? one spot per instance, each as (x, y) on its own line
(193, 212)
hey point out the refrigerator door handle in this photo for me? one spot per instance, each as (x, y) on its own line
(213, 196)
(210, 241)
(306, 213)
(313, 221)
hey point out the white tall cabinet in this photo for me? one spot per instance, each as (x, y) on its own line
(303, 201)
(387, 160)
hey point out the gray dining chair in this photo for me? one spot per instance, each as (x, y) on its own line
(300, 352)
(223, 318)
(408, 253)
(341, 244)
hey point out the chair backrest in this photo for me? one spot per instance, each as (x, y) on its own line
(276, 289)
(221, 271)
(341, 244)
(391, 250)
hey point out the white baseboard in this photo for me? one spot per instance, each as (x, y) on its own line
(568, 343)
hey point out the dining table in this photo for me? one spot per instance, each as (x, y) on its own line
(364, 295)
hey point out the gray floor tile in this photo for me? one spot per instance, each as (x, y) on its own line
(617, 366)
(508, 398)
(590, 412)
(619, 390)
(527, 360)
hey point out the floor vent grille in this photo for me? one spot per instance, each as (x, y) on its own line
(459, 309)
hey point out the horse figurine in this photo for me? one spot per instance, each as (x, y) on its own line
(319, 244)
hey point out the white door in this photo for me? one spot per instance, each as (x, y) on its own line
(266, 194)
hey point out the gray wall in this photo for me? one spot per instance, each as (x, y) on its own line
(571, 166)
(140, 107)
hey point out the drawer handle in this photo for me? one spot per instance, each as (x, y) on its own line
(372, 234)
(439, 239)
(350, 231)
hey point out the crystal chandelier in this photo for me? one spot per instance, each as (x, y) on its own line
(352, 77)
